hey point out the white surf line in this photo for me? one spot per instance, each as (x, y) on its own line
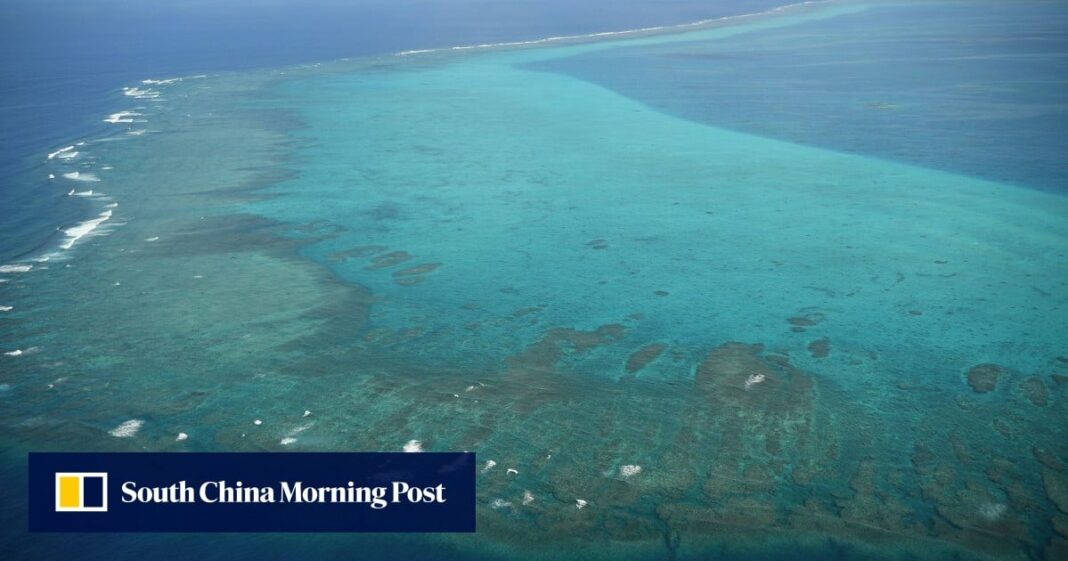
(151, 82)
(20, 352)
(79, 231)
(124, 117)
(127, 429)
(139, 93)
(79, 176)
(624, 32)
(83, 229)
(61, 151)
(169, 81)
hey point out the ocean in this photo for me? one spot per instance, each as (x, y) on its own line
(747, 282)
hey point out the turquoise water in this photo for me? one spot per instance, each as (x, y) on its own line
(727, 345)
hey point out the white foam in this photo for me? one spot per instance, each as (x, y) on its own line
(169, 81)
(151, 82)
(152, 239)
(413, 446)
(287, 441)
(88, 193)
(257, 422)
(16, 268)
(301, 428)
(6, 308)
(500, 503)
(181, 436)
(490, 464)
(79, 176)
(124, 117)
(127, 428)
(603, 34)
(630, 470)
(992, 511)
(753, 380)
(60, 152)
(581, 504)
(16, 352)
(78, 232)
(138, 93)
(528, 497)
(306, 412)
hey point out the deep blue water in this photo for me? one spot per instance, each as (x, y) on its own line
(61, 62)
(978, 88)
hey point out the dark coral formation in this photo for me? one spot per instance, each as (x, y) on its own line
(820, 348)
(561, 341)
(357, 252)
(1056, 484)
(1035, 390)
(807, 320)
(389, 259)
(800, 323)
(409, 281)
(984, 377)
(750, 445)
(640, 358)
(414, 275)
(417, 270)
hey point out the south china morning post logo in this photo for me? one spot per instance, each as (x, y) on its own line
(211, 492)
(81, 492)
(253, 492)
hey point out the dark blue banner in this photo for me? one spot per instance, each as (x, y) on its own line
(252, 492)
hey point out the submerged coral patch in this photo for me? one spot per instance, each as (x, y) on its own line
(984, 377)
(640, 358)
(389, 259)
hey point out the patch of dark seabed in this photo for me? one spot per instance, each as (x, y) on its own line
(752, 446)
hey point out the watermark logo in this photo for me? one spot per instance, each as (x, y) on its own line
(82, 492)
(251, 492)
